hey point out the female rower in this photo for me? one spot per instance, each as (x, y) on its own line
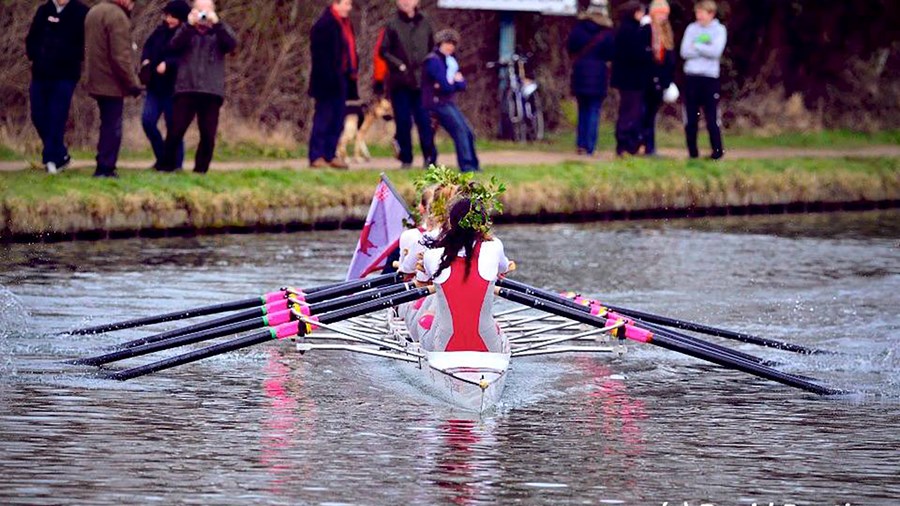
(433, 207)
(464, 263)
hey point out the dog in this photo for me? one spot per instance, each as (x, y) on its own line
(360, 118)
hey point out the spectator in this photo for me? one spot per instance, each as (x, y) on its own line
(591, 46)
(55, 46)
(333, 81)
(201, 46)
(110, 74)
(159, 68)
(408, 40)
(702, 48)
(662, 71)
(631, 75)
(438, 94)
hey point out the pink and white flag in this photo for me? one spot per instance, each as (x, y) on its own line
(381, 233)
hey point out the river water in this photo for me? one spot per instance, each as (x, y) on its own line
(267, 426)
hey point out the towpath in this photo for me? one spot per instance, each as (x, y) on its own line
(504, 158)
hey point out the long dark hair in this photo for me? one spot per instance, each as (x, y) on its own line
(455, 237)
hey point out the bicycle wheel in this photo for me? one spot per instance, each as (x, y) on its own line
(533, 120)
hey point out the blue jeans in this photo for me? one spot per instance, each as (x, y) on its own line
(328, 124)
(154, 107)
(453, 121)
(408, 108)
(588, 122)
(50, 101)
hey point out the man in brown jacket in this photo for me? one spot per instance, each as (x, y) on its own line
(110, 74)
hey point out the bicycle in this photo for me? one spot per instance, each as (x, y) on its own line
(523, 107)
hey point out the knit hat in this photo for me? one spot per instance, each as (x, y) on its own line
(178, 9)
(447, 35)
(659, 6)
(599, 7)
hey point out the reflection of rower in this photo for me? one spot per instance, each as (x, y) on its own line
(464, 262)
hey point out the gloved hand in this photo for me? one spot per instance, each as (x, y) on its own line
(645, 20)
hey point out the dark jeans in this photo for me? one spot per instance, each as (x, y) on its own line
(50, 101)
(328, 123)
(110, 141)
(628, 125)
(652, 103)
(408, 108)
(588, 122)
(154, 107)
(205, 106)
(453, 121)
(702, 93)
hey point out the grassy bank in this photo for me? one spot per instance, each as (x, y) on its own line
(33, 204)
(562, 141)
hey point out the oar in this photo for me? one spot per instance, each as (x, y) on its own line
(341, 289)
(281, 332)
(261, 311)
(270, 320)
(667, 342)
(669, 322)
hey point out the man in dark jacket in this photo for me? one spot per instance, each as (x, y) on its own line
(591, 46)
(201, 46)
(55, 46)
(110, 74)
(631, 69)
(439, 89)
(159, 68)
(408, 38)
(335, 64)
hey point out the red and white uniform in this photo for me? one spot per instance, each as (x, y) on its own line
(461, 317)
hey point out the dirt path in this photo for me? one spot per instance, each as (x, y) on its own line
(504, 158)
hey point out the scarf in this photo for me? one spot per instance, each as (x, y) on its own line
(349, 63)
(663, 39)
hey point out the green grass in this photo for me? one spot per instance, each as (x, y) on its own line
(560, 141)
(32, 202)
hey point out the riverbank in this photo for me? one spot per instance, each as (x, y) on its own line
(35, 207)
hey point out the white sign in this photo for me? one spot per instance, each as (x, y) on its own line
(557, 7)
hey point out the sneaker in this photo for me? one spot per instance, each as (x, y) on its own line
(51, 168)
(318, 163)
(716, 155)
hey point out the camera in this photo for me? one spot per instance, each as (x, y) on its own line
(203, 16)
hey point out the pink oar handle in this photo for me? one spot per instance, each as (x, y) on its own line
(275, 296)
(278, 305)
(279, 317)
(631, 332)
(291, 329)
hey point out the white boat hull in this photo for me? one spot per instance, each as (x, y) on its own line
(470, 380)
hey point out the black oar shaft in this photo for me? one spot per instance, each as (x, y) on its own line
(691, 349)
(351, 287)
(174, 342)
(663, 320)
(268, 334)
(198, 327)
(177, 315)
(216, 349)
(331, 305)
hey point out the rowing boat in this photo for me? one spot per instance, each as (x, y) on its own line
(469, 380)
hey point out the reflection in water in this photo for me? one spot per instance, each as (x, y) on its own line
(462, 462)
(290, 420)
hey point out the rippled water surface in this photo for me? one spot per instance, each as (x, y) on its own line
(266, 425)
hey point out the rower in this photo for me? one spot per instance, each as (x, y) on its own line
(464, 263)
(433, 208)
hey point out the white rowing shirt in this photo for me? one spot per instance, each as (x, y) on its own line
(410, 246)
(492, 261)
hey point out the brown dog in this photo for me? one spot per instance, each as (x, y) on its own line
(360, 118)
